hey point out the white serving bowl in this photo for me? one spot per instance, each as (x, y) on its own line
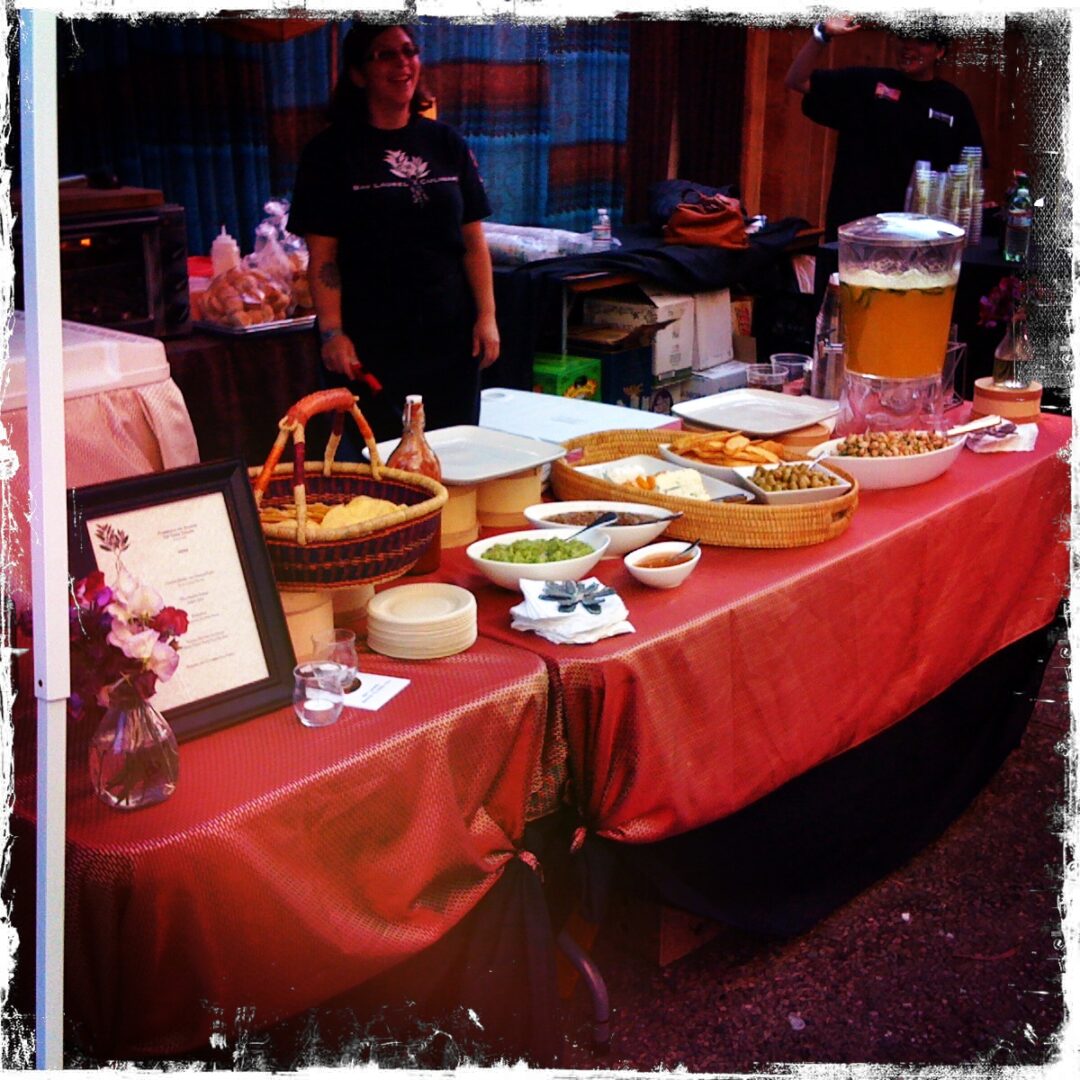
(796, 497)
(509, 574)
(875, 474)
(623, 538)
(662, 577)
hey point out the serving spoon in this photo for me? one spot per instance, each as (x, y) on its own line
(608, 517)
(978, 425)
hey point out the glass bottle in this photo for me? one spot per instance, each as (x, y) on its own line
(1013, 355)
(1018, 218)
(414, 454)
(827, 329)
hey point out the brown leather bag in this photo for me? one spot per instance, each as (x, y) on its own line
(715, 221)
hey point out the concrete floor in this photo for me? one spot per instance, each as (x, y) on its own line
(954, 959)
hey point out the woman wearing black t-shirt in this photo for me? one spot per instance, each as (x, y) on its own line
(390, 204)
(886, 119)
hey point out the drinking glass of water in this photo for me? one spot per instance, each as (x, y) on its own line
(339, 647)
(318, 695)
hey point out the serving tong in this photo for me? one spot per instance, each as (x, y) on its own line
(994, 426)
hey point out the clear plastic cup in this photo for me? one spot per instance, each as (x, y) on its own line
(765, 377)
(793, 364)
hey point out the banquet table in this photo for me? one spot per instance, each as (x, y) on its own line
(291, 863)
(769, 662)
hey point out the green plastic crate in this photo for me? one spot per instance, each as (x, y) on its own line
(567, 376)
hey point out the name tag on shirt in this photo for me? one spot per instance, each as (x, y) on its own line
(889, 93)
(944, 117)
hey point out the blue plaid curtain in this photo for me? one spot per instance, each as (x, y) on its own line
(218, 124)
(544, 109)
(215, 123)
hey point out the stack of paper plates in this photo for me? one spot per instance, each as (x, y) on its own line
(421, 622)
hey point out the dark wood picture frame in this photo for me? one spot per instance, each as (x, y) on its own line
(230, 479)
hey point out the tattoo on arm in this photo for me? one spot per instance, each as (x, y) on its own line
(329, 275)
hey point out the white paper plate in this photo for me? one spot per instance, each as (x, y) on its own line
(716, 489)
(425, 604)
(470, 455)
(448, 646)
(756, 412)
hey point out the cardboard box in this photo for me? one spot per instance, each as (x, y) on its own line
(742, 316)
(712, 328)
(644, 305)
(626, 376)
(729, 376)
(567, 376)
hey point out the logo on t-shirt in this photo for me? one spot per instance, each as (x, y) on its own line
(412, 172)
(889, 93)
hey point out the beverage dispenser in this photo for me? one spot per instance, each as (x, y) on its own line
(898, 275)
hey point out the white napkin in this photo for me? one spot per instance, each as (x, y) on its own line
(578, 627)
(1023, 438)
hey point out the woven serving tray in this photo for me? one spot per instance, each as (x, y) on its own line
(721, 524)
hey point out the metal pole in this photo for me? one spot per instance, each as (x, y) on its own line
(48, 484)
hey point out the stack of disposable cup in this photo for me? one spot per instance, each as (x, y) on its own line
(957, 197)
(972, 157)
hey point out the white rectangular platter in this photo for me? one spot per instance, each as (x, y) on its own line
(470, 455)
(716, 489)
(756, 412)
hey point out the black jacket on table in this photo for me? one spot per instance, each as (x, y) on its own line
(396, 202)
(885, 123)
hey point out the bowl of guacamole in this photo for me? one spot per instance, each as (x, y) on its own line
(537, 554)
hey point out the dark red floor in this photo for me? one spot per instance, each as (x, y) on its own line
(953, 959)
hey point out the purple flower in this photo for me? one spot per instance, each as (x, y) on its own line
(119, 635)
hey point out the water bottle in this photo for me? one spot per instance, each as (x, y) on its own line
(1018, 216)
(601, 231)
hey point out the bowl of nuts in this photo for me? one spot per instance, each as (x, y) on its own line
(789, 483)
(891, 459)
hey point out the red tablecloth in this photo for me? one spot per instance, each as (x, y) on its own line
(292, 864)
(766, 663)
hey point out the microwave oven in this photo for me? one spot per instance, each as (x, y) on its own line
(125, 270)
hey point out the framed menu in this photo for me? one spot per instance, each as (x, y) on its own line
(192, 535)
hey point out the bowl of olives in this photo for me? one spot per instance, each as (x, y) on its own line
(789, 483)
(547, 555)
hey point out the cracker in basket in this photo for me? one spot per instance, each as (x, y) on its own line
(728, 448)
(273, 515)
(357, 511)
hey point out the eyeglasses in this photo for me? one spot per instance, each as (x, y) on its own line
(385, 56)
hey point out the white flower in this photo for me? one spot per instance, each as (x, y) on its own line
(137, 644)
(147, 647)
(164, 661)
(133, 601)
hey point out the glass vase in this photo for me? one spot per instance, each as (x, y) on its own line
(134, 759)
(1013, 357)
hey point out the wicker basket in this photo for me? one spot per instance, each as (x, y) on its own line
(723, 524)
(377, 550)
